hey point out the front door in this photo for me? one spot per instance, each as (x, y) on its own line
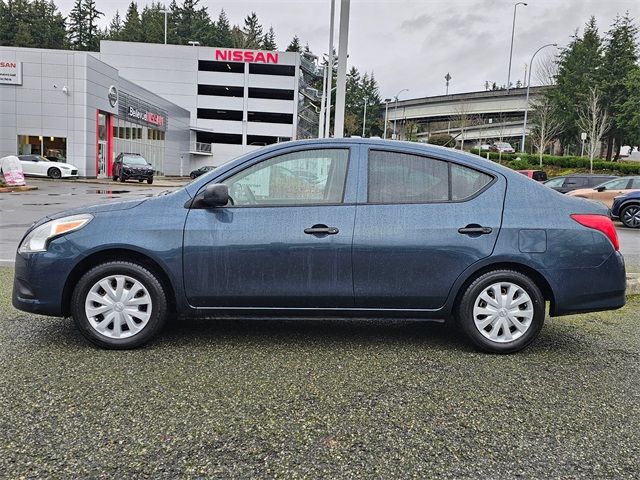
(102, 159)
(285, 242)
(422, 222)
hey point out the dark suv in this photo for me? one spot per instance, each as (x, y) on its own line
(569, 183)
(132, 166)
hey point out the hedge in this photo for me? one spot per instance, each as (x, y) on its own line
(624, 168)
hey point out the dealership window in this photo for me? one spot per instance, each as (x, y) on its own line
(265, 140)
(268, 69)
(144, 140)
(220, 91)
(55, 147)
(215, 114)
(268, 117)
(211, 66)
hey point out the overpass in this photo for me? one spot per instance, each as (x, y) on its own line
(484, 116)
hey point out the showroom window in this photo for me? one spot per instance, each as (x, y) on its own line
(54, 147)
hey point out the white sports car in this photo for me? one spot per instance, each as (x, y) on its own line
(39, 166)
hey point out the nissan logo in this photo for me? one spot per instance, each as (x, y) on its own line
(113, 95)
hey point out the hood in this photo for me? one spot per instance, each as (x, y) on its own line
(62, 165)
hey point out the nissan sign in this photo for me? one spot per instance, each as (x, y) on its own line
(113, 95)
(246, 56)
(10, 72)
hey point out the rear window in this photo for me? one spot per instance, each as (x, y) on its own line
(540, 176)
(405, 178)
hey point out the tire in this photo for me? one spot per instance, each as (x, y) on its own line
(140, 180)
(115, 178)
(54, 173)
(509, 329)
(122, 178)
(630, 216)
(150, 180)
(147, 310)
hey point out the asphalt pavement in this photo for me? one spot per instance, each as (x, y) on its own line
(19, 210)
(319, 399)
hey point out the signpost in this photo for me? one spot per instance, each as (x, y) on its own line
(12, 171)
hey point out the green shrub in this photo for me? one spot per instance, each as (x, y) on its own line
(519, 165)
(442, 139)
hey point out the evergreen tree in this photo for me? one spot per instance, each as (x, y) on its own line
(252, 32)
(23, 36)
(620, 58)
(12, 14)
(294, 46)
(221, 35)
(193, 23)
(269, 40)
(152, 23)
(78, 34)
(114, 30)
(93, 31)
(578, 67)
(132, 27)
(629, 119)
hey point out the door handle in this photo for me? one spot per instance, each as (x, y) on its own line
(321, 230)
(475, 230)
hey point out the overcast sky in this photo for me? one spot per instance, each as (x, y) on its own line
(414, 43)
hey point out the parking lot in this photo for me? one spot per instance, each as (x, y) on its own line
(310, 399)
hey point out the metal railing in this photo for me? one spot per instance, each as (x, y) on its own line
(200, 147)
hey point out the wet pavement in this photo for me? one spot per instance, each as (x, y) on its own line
(19, 210)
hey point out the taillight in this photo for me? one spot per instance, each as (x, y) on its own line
(601, 223)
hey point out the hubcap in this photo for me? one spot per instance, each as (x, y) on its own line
(631, 217)
(118, 306)
(503, 312)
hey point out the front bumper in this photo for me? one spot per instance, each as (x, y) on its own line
(136, 175)
(69, 173)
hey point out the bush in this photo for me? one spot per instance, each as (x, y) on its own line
(622, 168)
(519, 165)
(442, 139)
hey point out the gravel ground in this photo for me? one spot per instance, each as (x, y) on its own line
(319, 399)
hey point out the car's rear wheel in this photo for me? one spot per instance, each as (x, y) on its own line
(501, 311)
(54, 173)
(119, 305)
(630, 216)
(150, 180)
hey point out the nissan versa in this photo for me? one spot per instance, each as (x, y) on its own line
(347, 228)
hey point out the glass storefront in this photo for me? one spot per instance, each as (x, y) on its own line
(54, 147)
(129, 137)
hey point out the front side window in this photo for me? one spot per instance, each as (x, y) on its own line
(404, 178)
(299, 178)
(618, 184)
(555, 182)
(635, 183)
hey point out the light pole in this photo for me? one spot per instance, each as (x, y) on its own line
(386, 114)
(166, 12)
(364, 117)
(447, 78)
(341, 77)
(327, 113)
(526, 104)
(513, 31)
(395, 112)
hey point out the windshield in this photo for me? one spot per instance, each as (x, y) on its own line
(134, 160)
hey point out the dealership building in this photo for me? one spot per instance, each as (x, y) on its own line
(180, 107)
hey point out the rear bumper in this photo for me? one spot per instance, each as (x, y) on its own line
(579, 290)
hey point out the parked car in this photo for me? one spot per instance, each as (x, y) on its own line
(569, 183)
(537, 175)
(627, 208)
(132, 166)
(607, 191)
(503, 147)
(39, 166)
(199, 171)
(395, 229)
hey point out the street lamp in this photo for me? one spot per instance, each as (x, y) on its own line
(447, 78)
(395, 113)
(166, 12)
(386, 114)
(526, 104)
(513, 30)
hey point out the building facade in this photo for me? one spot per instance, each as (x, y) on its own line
(238, 100)
(72, 106)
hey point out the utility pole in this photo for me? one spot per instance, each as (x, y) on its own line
(513, 31)
(447, 77)
(166, 12)
(323, 104)
(341, 91)
(386, 115)
(327, 114)
(364, 118)
(395, 113)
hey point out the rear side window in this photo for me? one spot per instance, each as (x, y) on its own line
(540, 176)
(405, 178)
(575, 182)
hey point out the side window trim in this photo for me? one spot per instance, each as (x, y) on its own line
(365, 163)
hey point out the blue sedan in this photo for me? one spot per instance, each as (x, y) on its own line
(344, 227)
(627, 209)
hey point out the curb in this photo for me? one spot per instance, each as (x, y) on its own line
(23, 188)
(633, 283)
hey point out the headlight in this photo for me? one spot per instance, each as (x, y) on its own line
(38, 239)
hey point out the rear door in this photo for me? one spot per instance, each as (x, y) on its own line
(573, 183)
(420, 222)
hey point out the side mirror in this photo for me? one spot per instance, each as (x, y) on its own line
(216, 195)
(601, 189)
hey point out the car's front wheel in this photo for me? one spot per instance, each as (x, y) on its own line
(150, 180)
(54, 173)
(630, 216)
(119, 305)
(501, 311)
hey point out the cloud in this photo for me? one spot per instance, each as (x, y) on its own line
(416, 23)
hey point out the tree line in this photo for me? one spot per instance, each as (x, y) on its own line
(595, 91)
